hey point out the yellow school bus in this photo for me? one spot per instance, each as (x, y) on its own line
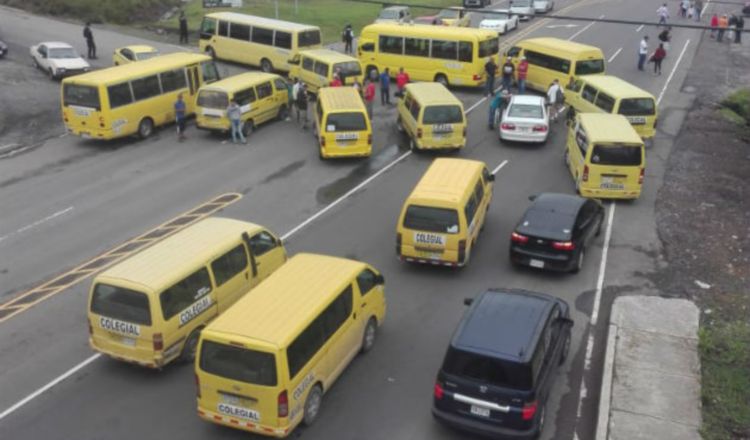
(135, 98)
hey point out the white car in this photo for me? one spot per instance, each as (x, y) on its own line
(58, 59)
(394, 14)
(525, 119)
(500, 20)
(543, 5)
(523, 8)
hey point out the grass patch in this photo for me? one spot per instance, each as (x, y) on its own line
(731, 116)
(739, 103)
(725, 360)
(98, 11)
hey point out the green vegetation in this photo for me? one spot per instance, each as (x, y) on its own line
(739, 104)
(104, 11)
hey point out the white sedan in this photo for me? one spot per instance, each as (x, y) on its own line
(543, 5)
(500, 20)
(525, 119)
(58, 59)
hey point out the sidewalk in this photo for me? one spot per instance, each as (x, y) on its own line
(651, 380)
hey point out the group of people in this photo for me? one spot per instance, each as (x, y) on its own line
(733, 23)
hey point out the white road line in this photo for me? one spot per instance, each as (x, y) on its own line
(583, 29)
(476, 104)
(671, 74)
(638, 29)
(614, 55)
(43, 389)
(499, 167)
(602, 269)
(37, 223)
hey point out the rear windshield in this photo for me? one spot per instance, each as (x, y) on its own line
(120, 303)
(525, 111)
(83, 96)
(489, 370)
(146, 55)
(388, 13)
(544, 223)
(616, 155)
(309, 38)
(443, 114)
(589, 67)
(637, 107)
(425, 218)
(353, 121)
(238, 363)
(213, 99)
(489, 47)
(349, 68)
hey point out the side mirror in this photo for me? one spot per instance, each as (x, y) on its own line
(279, 242)
(294, 61)
(491, 178)
(532, 197)
(468, 301)
(566, 322)
(379, 279)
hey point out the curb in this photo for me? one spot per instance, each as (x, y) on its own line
(605, 392)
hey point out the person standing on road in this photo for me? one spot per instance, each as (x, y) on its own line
(739, 27)
(684, 6)
(402, 79)
(508, 70)
(348, 38)
(302, 105)
(490, 68)
(89, 36)
(665, 37)
(183, 28)
(295, 91)
(714, 24)
(698, 10)
(523, 71)
(498, 103)
(179, 116)
(658, 57)
(723, 25)
(555, 100)
(642, 52)
(234, 113)
(385, 87)
(369, 96)
(663, 14)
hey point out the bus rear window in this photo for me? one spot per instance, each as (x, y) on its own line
(238, 363)
(213, 99)
(82, 96)
(589, 67)
(121, 303)
(308, 38)
(425, 218)
(442, 114)
(488, 370)
(354, 121)
(616, 155)
(637, 107)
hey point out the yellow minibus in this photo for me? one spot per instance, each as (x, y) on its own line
(553, 58)
(442, 217)
(261, 96)
(605, 156)
(150, 308)
(341, 124)
(445, 54)
(610, 94)
(316, 68)
(257, 41)
(264, 365)
(133, 98)
(432, 117)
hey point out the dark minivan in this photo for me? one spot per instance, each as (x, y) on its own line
(501, 363)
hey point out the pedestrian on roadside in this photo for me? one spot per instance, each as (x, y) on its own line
(290, 100)
(402, 79)
(739, 27)
(698, 10)
(732, 27)
(714, 24)
(89, 36)
(183, 28)
(555, 99)
(234, 113)
(336, 81)
(179, 116)
(642, 52)
(684, 6)
(508, 70)
(302, 105)
(665, 37)
(295, 91)
(658, 57)
(385, 87)
(663, 14)
(523, 71)
(348, 38)
(357, 86)
(691, 12)
(490, 68)
(723, 25)
(369, 96)
(497, 104)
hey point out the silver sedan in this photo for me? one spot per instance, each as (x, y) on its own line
(525, 119)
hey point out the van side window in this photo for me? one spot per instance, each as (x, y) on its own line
(366, 281)
(445, 50)
(127, 53)
(415, 109)
(367, 47)
(283, 40)
(407, 101)
(280, 84)
(548, 61)
(581, 141)
(417, 47)
(262, 36)
(223, 28)
(239, 32)
(471, 209)
(184, 293)
(338, 312)
(319, 109)
(261, 243)
(551, 332)
(307, 64)
(479, 192)
(229, 265)
(172, 80)
(208, 28)
(245, 97)
(264, 90)
(465, 51)
(576, 85)
(391, 44)
(321, 69)
(589, 93)
(605, 102)
(144, 88)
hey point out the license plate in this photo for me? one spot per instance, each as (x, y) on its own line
(612, 186)
(638, 120)
(130, 342)
(524, 129)
(430, 255)
(347, 137)
(480, 411)
(539, 264)
(442, 128)
(232, 400)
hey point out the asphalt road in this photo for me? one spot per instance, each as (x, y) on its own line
(69, 200)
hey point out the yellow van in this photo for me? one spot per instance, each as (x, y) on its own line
(316, 68)
(442, 217)
(432, 117)
(264, 365)
(341, 124)
(149, 309)
(553, 58)
(131, 54)
(261, 97)
(610, 94)
(605, 156)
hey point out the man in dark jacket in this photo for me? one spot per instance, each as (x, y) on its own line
(740, 25)
(302, 105)
(183, 28)
(89, 36)
(508, 70)
(490, 68)
(348, 38)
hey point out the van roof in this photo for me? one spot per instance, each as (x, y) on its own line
(428, 30)
(447, 180)
(606, 127)
(504, 323)
(340, 98)
(160, 265)
(615, 86)
(432, 93)
(279, 308)
(261, 21)
(238, 82)
(133, 70)
(328, 55)
(561, 47)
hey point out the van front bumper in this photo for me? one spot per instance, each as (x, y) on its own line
(481, 428)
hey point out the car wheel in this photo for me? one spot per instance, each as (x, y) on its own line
(565, 350)
(266, 66)
(368, 338)
(579, 261)
(191, 346)
(248, 127)
(312, 405)
(145, 128)
(441, 79)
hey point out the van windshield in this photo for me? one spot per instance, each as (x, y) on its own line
(425, 218)
(348, 68)
(238, 363)
(213, 99)
(589, 67)
(121, 303)
(352, 121)
(443, 114)
(484, 369)
(83, 96)
(637, 107)
(308, 38)
(616, 155)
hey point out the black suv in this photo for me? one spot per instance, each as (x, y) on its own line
(501, 363)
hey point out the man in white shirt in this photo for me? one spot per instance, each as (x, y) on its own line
(663, 14)
(642, 52)
(554, 100)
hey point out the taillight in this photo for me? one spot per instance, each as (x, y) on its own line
(585, 176)
(528, 411)
(518, 238)
(369, 139)
(91, 328)
(419, 133)
(101, 121)
(197, 386)
(640, 176)
(563, 245)
(506, 126)
(461, 251)
(476, 77)
(438, 392)
(158, 342)
(540, 128)
(398, 244)
(322, 141)
(283, 403)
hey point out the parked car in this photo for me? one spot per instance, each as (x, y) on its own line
(477, 3)
(523, 8)
(524, 119)
(500, 20)
(501, 363)
(453, 16)
(399, 14)
(543, 6)
(58, 59)
(129, 54)
(555, 230)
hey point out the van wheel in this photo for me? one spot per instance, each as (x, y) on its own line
(441, 79)
(248, 127)
(579, 261)
(368, 338)
(211, 52)
(565, 350)
(145, 128)
(191, 346)
(266, 65)
(283, 113)
(312, 405)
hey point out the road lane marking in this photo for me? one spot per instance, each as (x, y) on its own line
(602, 269)
(638, 29)
(37, 223)
(671, 74)
(614, 55)
(584, 29)
(499, 167)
